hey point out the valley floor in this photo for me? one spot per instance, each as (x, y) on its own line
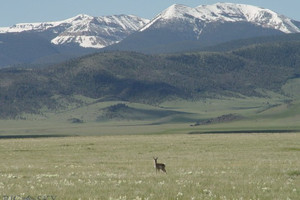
(245, 114)
(217, 166)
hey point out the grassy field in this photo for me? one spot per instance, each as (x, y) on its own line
(112, 158)
(177, 116)
(216, 166)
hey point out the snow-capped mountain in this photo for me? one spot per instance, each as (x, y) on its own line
(206, 25)
(22, 27)
(223, 12)
(99, 32)
(178, 28)
(84, 30)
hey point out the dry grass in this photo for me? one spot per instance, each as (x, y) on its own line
(233, 166)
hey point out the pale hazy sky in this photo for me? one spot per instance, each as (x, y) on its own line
(20, 11)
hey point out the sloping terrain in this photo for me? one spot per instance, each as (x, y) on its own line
(148, 79)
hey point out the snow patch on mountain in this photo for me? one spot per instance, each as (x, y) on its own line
(83, 41)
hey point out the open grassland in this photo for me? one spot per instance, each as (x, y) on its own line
(176, 116)
(217, 166)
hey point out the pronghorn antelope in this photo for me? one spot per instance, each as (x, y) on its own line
(159, 166)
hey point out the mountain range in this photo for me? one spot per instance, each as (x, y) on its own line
(178, 28)
(83, 30)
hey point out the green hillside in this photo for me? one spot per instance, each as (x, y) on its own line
(251, 82)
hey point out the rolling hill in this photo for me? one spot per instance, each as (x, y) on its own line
(252, 71)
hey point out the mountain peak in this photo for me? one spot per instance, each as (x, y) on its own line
(80, 17)
(176, 11)
(176, 8)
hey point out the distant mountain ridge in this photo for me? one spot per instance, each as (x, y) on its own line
(176, 29)
(50, 42)
(223, 12)
(99, 32)
(206, 24)
(84, 30)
